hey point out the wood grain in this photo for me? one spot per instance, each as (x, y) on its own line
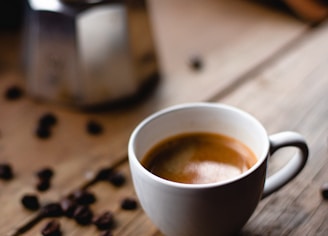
(256, 58)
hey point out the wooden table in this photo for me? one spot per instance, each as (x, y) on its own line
(256, 58)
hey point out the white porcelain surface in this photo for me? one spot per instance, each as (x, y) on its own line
(208, 209)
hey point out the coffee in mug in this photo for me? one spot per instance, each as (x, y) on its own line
(199, 158)
(220, 207)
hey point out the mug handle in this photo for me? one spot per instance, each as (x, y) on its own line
(293, 167)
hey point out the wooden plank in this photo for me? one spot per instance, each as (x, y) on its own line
(231, 37)
(291, 94)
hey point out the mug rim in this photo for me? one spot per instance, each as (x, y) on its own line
(133, 158)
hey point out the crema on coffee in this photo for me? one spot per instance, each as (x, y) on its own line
(199, 158)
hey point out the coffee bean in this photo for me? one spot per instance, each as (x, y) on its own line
(43, 185)
(106, 233)
(83, 215)
(104, 221)
(68, 206)
(52, 228)
(30, 202)
(84, 197)
(324, 190)
(43, 132)
(117, 179)
(129, 204)
(196, 63)
(52, 210)
(14, 92)
(104, 174)
(45, 173)
(94, 128)
(45, 123)
(6, 172)
(47, 120)
(44, 176)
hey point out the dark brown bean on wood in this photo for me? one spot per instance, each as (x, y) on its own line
(104, 221)
(324, 190)
(6, 172)
(83, 215)
(30, 202)
(52, 228)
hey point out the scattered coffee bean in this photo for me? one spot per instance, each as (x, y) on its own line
(83, 215)
(94, 128)
(14, 92)
(43, 132)
(129, 204)
(324, 190)
(52, 228)
(104, 174)
(45, 123)
(43, 185)
(84, 197)
(68, 206)
(106, 233)
(6, 172)
(52, 210)
(30, 202)
(104, 221)
(196, 63)
(44, 179)
(117, 179)
(47, 120)
(45, 173)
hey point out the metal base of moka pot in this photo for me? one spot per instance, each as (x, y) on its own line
(88, 53)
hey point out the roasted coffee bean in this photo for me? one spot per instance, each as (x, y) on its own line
(6, 172)
(43, 132)
(104, 174)
(196, 63)
(68, 206)
(45, 173)
(14, 92)
(324, 190)
(52, 210)
(83, 215)
(94, 128)
(106, 233)
(52, 228)
(47, 120)
(30, 202)
(129, 204)
(104, 221)
(44, 176)
(43, 185)
(117, 179)
(45, 123)
(84, 197)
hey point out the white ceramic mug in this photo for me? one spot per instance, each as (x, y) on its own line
(221, 208)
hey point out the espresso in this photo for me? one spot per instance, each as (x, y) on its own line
(199, 158)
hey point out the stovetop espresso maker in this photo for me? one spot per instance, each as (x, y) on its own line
(88, 52)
